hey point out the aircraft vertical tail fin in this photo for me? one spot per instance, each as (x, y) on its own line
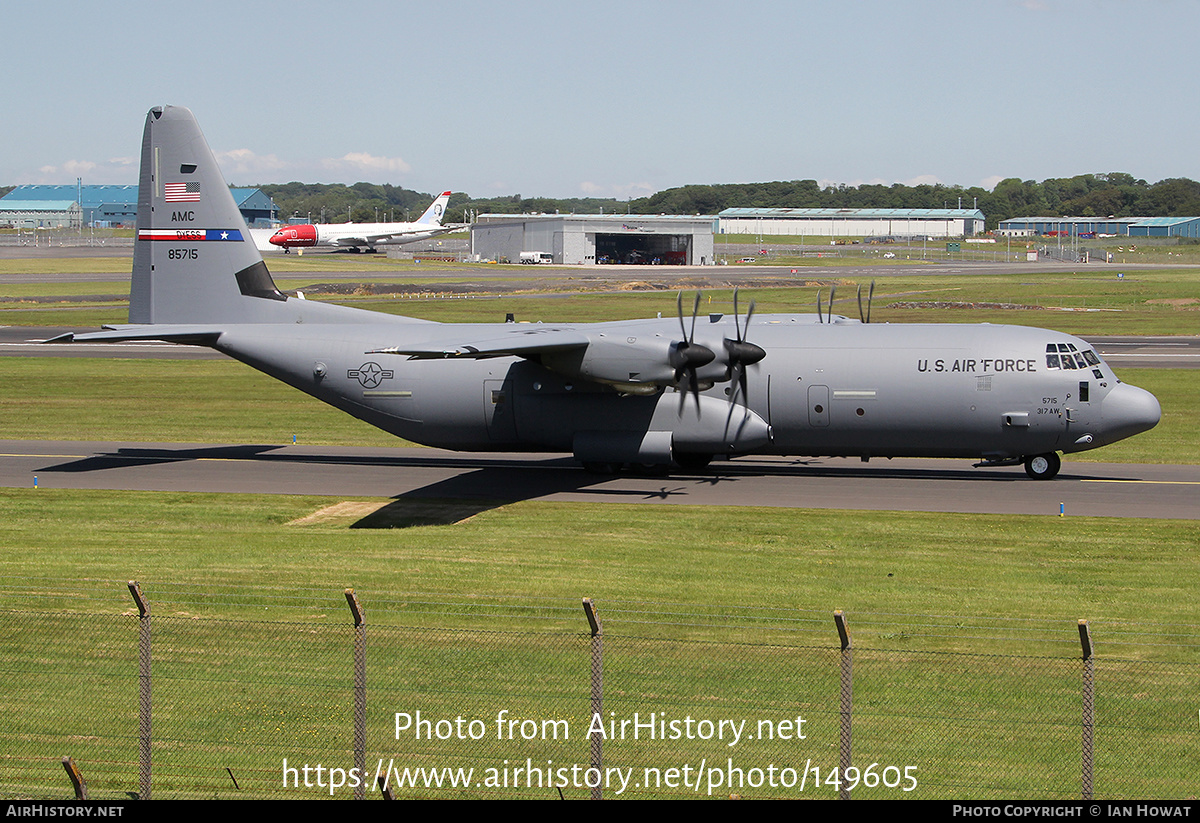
(194, 260)
(437, 209)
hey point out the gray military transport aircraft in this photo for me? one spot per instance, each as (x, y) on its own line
(648, 393)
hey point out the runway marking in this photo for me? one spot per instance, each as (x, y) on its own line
(1144, 482)
(149, 344)
(1150, 355)
(79, 456)
(1144, 344)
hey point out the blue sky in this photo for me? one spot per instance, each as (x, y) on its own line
(611, 99)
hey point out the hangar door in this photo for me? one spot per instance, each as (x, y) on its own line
(632, 249)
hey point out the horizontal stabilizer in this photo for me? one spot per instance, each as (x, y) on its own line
(168, 333)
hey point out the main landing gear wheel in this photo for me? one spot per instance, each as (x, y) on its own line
(1042, 466)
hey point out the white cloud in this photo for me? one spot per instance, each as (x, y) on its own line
(921, 180)
(358, 162)
(244, 163)
(620, 191)
(118, 171)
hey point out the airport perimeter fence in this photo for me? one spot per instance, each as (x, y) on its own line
(864, 254)
(159, 700)
(66, 238)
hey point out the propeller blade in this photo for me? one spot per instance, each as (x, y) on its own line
(740, 354)
(686, 356)
(870, 298)
(737, 328)
(688, 384)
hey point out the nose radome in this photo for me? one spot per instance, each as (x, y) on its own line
(1129, 410)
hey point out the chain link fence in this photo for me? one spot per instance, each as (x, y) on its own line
(482, 700)
(60, 237)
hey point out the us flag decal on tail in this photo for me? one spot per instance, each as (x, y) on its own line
(181, 192)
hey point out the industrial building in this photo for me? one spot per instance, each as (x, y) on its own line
(1099, 226)
(40, 214)
(853, 222)
(108, 206)
(598, 239)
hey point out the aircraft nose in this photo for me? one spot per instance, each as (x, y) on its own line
(1129, 410)
(276, 239)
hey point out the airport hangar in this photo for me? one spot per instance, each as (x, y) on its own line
(904, 223)
(1115, 226)
(41, 214)
(590, 239)
(107, 206)
(688, 240)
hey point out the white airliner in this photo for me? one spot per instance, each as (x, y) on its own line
(357, 235)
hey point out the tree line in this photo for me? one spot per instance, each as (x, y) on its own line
(1115, 194)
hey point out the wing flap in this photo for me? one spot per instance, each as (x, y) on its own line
(522, 342)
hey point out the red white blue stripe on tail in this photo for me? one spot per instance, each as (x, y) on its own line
(191, 235)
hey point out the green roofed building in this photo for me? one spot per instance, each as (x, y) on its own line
(1101, 226)
(853, 222)
(117, 205)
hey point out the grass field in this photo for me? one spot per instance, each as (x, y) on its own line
(1163, 301)
(886, 568)
(949, 605)
(964, 628)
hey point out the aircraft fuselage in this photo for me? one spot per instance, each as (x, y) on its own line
(841, 388)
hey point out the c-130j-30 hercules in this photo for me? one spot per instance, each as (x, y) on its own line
(663, 392)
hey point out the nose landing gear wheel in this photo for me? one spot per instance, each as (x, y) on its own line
(1042, 466)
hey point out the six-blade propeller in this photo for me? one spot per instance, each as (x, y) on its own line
(687, 356)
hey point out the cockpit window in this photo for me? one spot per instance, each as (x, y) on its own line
(1066, 356)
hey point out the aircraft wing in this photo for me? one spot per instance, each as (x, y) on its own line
(383, 237)
(416, 234)
(361, 240)
(169, 333)
(522, 341)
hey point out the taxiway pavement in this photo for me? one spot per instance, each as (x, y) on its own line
(1082, 489)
